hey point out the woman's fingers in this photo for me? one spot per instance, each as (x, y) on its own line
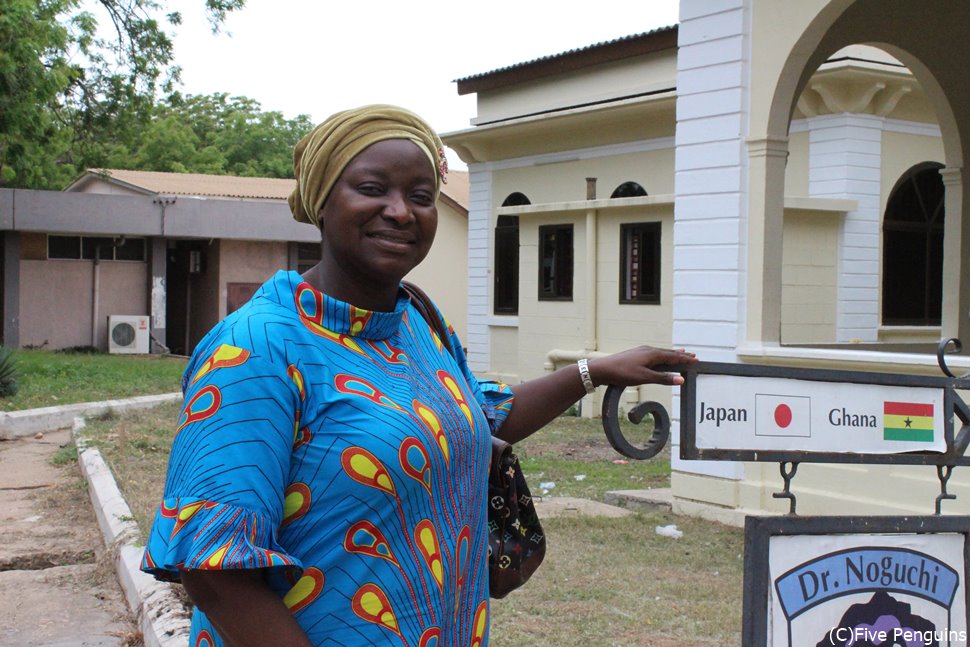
(635, 366)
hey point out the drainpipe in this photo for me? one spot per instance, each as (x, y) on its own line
(591, 343)
(96, 288)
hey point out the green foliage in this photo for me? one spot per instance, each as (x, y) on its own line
(65, 455)
(50, 378)
(221, 135)
(71, 98)
(9, 373)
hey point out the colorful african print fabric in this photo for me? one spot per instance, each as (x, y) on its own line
(345, 451)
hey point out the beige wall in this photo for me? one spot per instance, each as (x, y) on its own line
(796, 169)
(900, 152)
(628, 77)
(444, 272)
(566, 181)
(248, 261)
(545, 325)
(56, 300)
(809, 277)
(622, 325)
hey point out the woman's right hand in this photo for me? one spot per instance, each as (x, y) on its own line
(636, 366)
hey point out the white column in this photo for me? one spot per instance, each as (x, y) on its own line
(479, 263)
(710, 186)
(953, 313)
(845, 153)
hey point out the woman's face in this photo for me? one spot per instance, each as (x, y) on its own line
(378, 222)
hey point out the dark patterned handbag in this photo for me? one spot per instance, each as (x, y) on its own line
(516, 542)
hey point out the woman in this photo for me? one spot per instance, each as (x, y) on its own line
(327, 480)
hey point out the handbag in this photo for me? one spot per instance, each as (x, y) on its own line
(516, 542)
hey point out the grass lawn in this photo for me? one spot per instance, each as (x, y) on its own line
(50, 378)
(604, 581)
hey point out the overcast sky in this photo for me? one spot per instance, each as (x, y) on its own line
(318, 56)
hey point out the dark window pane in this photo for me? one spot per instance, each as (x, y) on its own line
(912, 289)
(516, 200)
(89, 244)
(628, 190)
(556, 262)
(64, 247)
(133, 249)
(640, 263)
(307, 255)
(506, 269)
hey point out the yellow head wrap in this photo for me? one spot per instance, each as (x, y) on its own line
(320, 157)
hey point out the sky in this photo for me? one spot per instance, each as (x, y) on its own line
(316, 57)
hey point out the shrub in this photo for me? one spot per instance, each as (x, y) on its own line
(9, 373)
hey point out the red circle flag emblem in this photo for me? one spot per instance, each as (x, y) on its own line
(782, 415)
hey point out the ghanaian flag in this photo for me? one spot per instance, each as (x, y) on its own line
(908, 421)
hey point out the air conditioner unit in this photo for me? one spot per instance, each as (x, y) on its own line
(128, 333)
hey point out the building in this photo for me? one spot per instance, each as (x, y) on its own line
(185, 249)
(767, 182)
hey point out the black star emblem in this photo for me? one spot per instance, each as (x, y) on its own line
(909, 422)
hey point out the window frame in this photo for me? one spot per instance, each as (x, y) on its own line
(900, 233)
(85, 252)
(565, 268)
(655, 229)
(505, 267)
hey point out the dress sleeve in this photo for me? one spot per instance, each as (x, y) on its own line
(223, 501)
(495, 398)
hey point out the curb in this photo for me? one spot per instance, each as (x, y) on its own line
(160, 614)
(17, 424)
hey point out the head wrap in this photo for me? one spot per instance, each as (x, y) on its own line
(320, 157)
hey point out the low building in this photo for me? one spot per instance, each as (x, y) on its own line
(182, 249)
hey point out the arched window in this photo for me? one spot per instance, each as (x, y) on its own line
(912, 251)
(505, 292)
(628, 190)
(516, 200)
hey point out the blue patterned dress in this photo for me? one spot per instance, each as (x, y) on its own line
(346, 451)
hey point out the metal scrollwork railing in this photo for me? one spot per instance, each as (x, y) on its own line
(949, 346)
(611, 425)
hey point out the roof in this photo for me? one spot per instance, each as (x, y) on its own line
(228, 186)
(573, 59)
(199, 184)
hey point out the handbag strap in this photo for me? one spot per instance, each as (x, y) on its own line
(422, 302)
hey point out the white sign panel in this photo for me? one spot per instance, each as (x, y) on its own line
(766, 413)
(867, 589)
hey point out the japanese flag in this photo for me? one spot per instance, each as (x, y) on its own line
(783, 415)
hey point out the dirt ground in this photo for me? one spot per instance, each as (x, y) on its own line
(57, 582)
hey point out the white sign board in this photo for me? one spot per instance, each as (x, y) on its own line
(867, 589)
(748, 413)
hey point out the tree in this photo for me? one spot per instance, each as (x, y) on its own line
(70, 98)
(34, 73)
(220, 134)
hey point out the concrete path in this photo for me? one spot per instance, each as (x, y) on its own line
(57, 588)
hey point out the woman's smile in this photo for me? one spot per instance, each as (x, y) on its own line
(378, 223)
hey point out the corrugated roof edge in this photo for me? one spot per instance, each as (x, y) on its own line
(654, 40)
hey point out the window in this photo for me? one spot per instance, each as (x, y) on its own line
(85, 247)
(640, 263)
(912, 253)
(516, 200)
(556, 263)
(628, 190)
(506, 269)
(64, 247)
(307, 255)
